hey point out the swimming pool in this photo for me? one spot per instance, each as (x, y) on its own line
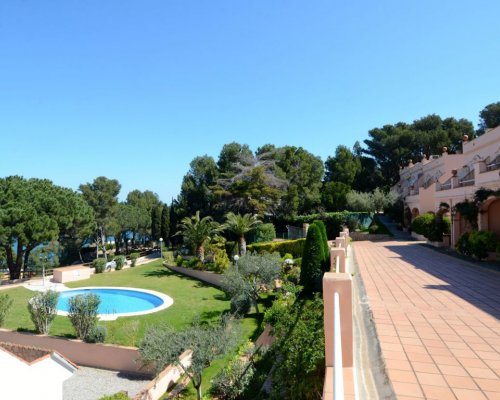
(118, 301)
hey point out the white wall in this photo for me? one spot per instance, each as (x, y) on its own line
(42, 380)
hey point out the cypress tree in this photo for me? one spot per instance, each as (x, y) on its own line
(311, 271)
(324, 243)
(165, 224)
(156, 214)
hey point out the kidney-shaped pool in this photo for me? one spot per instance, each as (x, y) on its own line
(118, 301)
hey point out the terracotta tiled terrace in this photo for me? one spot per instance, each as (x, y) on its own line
(437, 319)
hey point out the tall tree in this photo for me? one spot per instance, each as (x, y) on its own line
(156, 214)
(240, 225)
(303, 171)
(232, 155)
(333, 196)
(165, 223)
(489, 117)
(35, 212)
(312, 260)
(343, 167)
(102, 196)
(196, 193)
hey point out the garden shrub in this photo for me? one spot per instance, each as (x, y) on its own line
(99, 264)
(300, 346)
(83, 311)
(352, 223)
(431, 226)
(133, 259)
(116, 396)
(334, 221)
(231, 248)
(221, 260)
(482, 242)
(5, 304)
(43, 309)
(240, 304)
(119, 261)
(463, 245)
(97, 334)
(422, 224)
(373, 229)
(294, 247)
(312, 261)
(231, 381)
(262, 233)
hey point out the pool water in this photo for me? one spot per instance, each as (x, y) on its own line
(114, 301)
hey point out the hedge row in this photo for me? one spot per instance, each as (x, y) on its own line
(433, 227)
(335, 220)
(293, 247)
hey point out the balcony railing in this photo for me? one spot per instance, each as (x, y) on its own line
(468, 182)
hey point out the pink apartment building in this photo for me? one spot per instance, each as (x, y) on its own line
(452, 178)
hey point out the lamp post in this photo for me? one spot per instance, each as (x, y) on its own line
(161, 249)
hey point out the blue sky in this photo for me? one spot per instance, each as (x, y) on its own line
(134, 90)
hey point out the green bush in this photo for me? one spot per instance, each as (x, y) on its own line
(294, 247)
(463, 245)
(5, 304)
(262, 233)
(133, 259)
(231, 381)
(99, 264)
(119, 261)
(312, 261)
(116, 396)
(97, 335)
(221, 260)
(43, 309)
(334, 221)
(83, 311)
(431, 226)
(423, 224)
(240, 305)
(482, 242)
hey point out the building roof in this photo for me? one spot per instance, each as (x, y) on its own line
(32, 355)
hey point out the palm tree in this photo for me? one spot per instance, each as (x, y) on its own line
(240, 225)
(198, 232)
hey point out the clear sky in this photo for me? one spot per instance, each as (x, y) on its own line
(134, 90)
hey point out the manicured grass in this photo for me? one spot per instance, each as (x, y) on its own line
(191, 298)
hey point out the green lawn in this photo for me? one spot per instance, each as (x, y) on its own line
(191, 298)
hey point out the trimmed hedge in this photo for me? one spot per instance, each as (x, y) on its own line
(335, 220)
(293, 247)
(431, 226)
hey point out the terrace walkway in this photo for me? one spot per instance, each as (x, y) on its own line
(437, 320)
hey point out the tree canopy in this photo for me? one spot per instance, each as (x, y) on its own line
(34, 212)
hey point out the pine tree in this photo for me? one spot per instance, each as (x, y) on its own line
(312, 261)
(156, 214)
(165, 224)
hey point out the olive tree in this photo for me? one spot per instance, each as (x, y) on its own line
(162, 346)
(252, 275)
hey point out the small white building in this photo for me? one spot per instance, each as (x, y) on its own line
(32, 373)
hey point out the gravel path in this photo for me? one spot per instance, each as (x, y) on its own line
(92, 384)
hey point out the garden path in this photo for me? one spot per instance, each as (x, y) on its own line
(437, 320)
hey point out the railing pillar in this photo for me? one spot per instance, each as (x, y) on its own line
(340, 283)
(340, 242)
(334, 252)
